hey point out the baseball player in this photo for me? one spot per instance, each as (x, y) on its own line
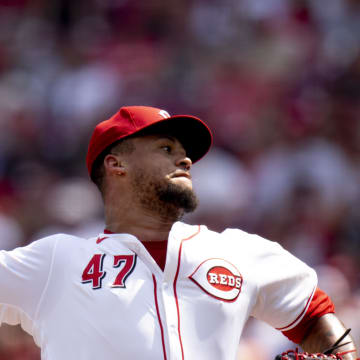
(149, 286)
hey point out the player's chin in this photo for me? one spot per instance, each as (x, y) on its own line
(182, 181)
(180, 194)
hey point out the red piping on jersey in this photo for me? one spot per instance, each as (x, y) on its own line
(301, 314)
(159, 318)
(175, 292)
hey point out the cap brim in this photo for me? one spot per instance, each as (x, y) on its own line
(194, 134)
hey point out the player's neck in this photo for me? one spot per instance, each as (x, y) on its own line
(143, 224)
(147, 218)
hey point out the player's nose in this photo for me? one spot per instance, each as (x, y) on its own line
(184, 162)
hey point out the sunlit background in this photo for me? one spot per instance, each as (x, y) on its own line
(278, 81)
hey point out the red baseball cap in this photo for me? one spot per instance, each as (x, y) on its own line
(193, 133)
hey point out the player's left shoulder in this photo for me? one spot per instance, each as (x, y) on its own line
(230, 239)
(202, 232)
(250, 240)
(184, 230)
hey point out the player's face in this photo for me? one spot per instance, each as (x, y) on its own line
(159, 171)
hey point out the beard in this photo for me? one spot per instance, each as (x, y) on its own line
(169, 200)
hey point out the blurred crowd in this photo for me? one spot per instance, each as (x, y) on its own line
(278, 82)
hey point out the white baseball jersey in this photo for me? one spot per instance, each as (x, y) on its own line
(106, 298)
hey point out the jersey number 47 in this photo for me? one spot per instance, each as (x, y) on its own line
(94, 273)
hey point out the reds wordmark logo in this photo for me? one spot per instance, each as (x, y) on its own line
(218, 278)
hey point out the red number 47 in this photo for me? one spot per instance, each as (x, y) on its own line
(93, 272)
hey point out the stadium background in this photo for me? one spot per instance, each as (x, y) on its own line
(278, 81)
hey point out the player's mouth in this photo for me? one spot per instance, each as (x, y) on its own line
(181, 174)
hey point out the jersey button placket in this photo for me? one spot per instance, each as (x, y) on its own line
(168, 296)
(171, 322)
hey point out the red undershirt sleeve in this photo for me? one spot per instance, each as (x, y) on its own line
(320, 305)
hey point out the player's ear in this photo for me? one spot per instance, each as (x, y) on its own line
(114, 165)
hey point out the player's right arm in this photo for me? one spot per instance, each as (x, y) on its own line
(24, 273)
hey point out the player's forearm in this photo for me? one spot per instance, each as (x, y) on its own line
(326, 331)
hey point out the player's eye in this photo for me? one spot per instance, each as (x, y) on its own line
(167, 148)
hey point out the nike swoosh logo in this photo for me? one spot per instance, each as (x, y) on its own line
(100, 239)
